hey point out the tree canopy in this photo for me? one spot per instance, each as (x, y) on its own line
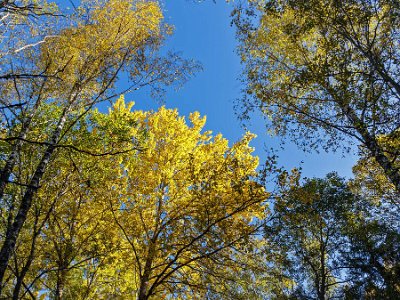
(150, 204)
(325, 72)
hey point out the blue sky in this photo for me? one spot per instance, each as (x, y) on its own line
(203, 32)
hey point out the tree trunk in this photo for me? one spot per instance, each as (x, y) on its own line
(322, 289)
(21, 277)
(390, 170)
(144, 280)
(26, 202)
(61, 275)
(9, 166)
(11, 160)
(26, 267)
(142, 290)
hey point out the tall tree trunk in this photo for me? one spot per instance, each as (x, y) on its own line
(26, 202)
(376, 150)
(143, 289)
(12, 158)
(61, 276)
(24, 271)
(322, 289)
(21, 276)
(144, 279)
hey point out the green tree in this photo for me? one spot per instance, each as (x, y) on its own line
(305, 234)
(324, 241)
(325, 71)
(373, 257)
(374, 230)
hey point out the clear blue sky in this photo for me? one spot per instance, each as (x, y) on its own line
(203, 32)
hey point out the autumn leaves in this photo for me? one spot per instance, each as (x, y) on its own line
(124, 204)
(137, 205)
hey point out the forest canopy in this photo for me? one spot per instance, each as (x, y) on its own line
(150, 204)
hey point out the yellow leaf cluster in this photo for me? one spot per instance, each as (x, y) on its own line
(117, 30)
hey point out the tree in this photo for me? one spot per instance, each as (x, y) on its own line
(325, 71)
(370, 180)
(324, 241)
(80, 235)
(373, 257)
(157, 207)
(257, 272)
(184, 205)
(374, 231)
(25, 25)
(74, 68)
(306, 235)
(67, 234)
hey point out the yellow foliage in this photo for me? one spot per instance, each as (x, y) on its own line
(369, 176)
(117, 30)
(186, 193)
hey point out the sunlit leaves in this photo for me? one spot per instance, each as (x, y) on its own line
(188, 198)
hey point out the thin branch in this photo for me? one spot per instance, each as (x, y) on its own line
(109, 153)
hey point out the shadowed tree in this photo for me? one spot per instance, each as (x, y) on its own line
(325, 71)
(306, 236)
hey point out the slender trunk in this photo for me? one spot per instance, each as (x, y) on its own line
(26, 267)
(61, 275)
(317, 285)
(323, 240)
(26, 202)
(322, 289)
(37, 230)
(370, 141)
(21, 277)
(143, 290)
(12, 158)
(144, 279)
